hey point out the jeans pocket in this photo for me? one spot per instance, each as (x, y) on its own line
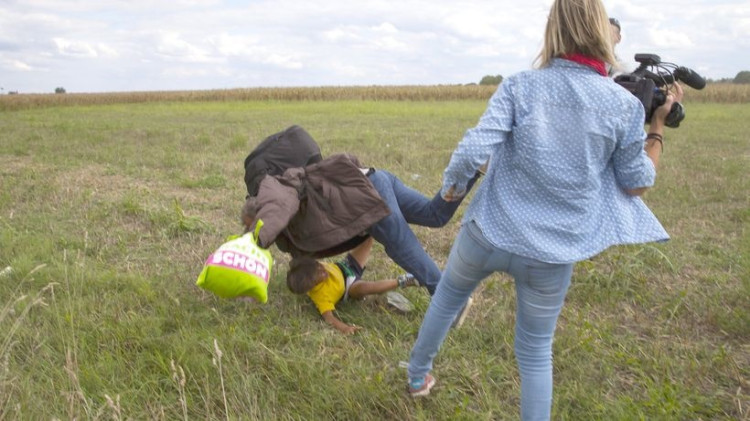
(548, 278)
(472, 248)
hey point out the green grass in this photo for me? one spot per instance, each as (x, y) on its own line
(108, 212)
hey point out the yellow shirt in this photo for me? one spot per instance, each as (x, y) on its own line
(326, 294)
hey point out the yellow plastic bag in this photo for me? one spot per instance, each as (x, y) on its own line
(238, 268)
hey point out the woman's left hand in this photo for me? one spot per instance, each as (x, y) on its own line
(452, 196)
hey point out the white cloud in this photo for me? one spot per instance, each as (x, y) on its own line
(386, 28)
(473, 24)
(669, 38)
(187, 72)
(172, 46)
(286, 62)
(203, 44)
(483, 50)
(390, 43)
(233, 45)
(106, 51)
(83, 49)
(16, 65)
(74, 48)
(341, 33)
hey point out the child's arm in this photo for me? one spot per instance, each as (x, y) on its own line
(342, 327)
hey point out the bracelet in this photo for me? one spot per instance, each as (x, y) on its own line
(657, 137)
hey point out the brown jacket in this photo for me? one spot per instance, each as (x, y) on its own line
(320, 210)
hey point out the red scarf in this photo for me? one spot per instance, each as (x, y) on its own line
(595, 64)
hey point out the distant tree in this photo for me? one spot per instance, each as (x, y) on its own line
(60, 90)
(742, 77)
(491, 80)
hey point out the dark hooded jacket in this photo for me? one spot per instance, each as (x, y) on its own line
(320, 210)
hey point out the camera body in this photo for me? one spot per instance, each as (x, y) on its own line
(649, 81)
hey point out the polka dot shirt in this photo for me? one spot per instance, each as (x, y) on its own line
(563, 144)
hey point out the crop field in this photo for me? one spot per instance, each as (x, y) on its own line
(110, 204)
(713, 93)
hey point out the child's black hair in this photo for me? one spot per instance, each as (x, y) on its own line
(303, 274)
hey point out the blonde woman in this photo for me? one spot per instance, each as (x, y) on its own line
(568, 159)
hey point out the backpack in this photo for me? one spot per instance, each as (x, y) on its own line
(290, 148)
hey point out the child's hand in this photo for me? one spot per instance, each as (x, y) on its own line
(342, 327)
(349, 329)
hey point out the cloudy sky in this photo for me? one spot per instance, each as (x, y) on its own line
(146, 45)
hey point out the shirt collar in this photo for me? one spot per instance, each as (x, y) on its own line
(596, 64)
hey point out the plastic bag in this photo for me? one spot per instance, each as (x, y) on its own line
(238, 268)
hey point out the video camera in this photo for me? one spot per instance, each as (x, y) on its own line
(648, 83)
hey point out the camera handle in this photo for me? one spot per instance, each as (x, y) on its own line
(675, 116)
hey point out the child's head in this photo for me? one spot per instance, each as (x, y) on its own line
(304, 273)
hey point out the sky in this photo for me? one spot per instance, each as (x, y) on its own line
(155, 45)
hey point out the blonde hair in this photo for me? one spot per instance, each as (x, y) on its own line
(577, 26)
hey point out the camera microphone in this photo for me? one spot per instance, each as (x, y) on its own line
(680, 74)
(691, 78)
(647, 84)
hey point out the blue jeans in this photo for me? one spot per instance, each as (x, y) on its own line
(540, 292)
(409, 206)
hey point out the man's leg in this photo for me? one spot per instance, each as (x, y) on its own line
(400, 242)
(419, 210)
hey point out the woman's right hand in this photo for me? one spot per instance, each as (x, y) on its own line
(673, 95)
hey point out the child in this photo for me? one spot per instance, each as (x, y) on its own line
(328, 283)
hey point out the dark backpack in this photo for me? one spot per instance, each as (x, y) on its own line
(291, 148)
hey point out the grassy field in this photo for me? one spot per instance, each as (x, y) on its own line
(107, 212)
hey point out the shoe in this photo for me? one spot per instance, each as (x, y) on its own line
(399, 302)
(407, 280)
(461, 316)
(421, 388)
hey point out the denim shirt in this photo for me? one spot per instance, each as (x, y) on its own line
(564, 143)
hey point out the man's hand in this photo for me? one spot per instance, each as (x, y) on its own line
(249, 210)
